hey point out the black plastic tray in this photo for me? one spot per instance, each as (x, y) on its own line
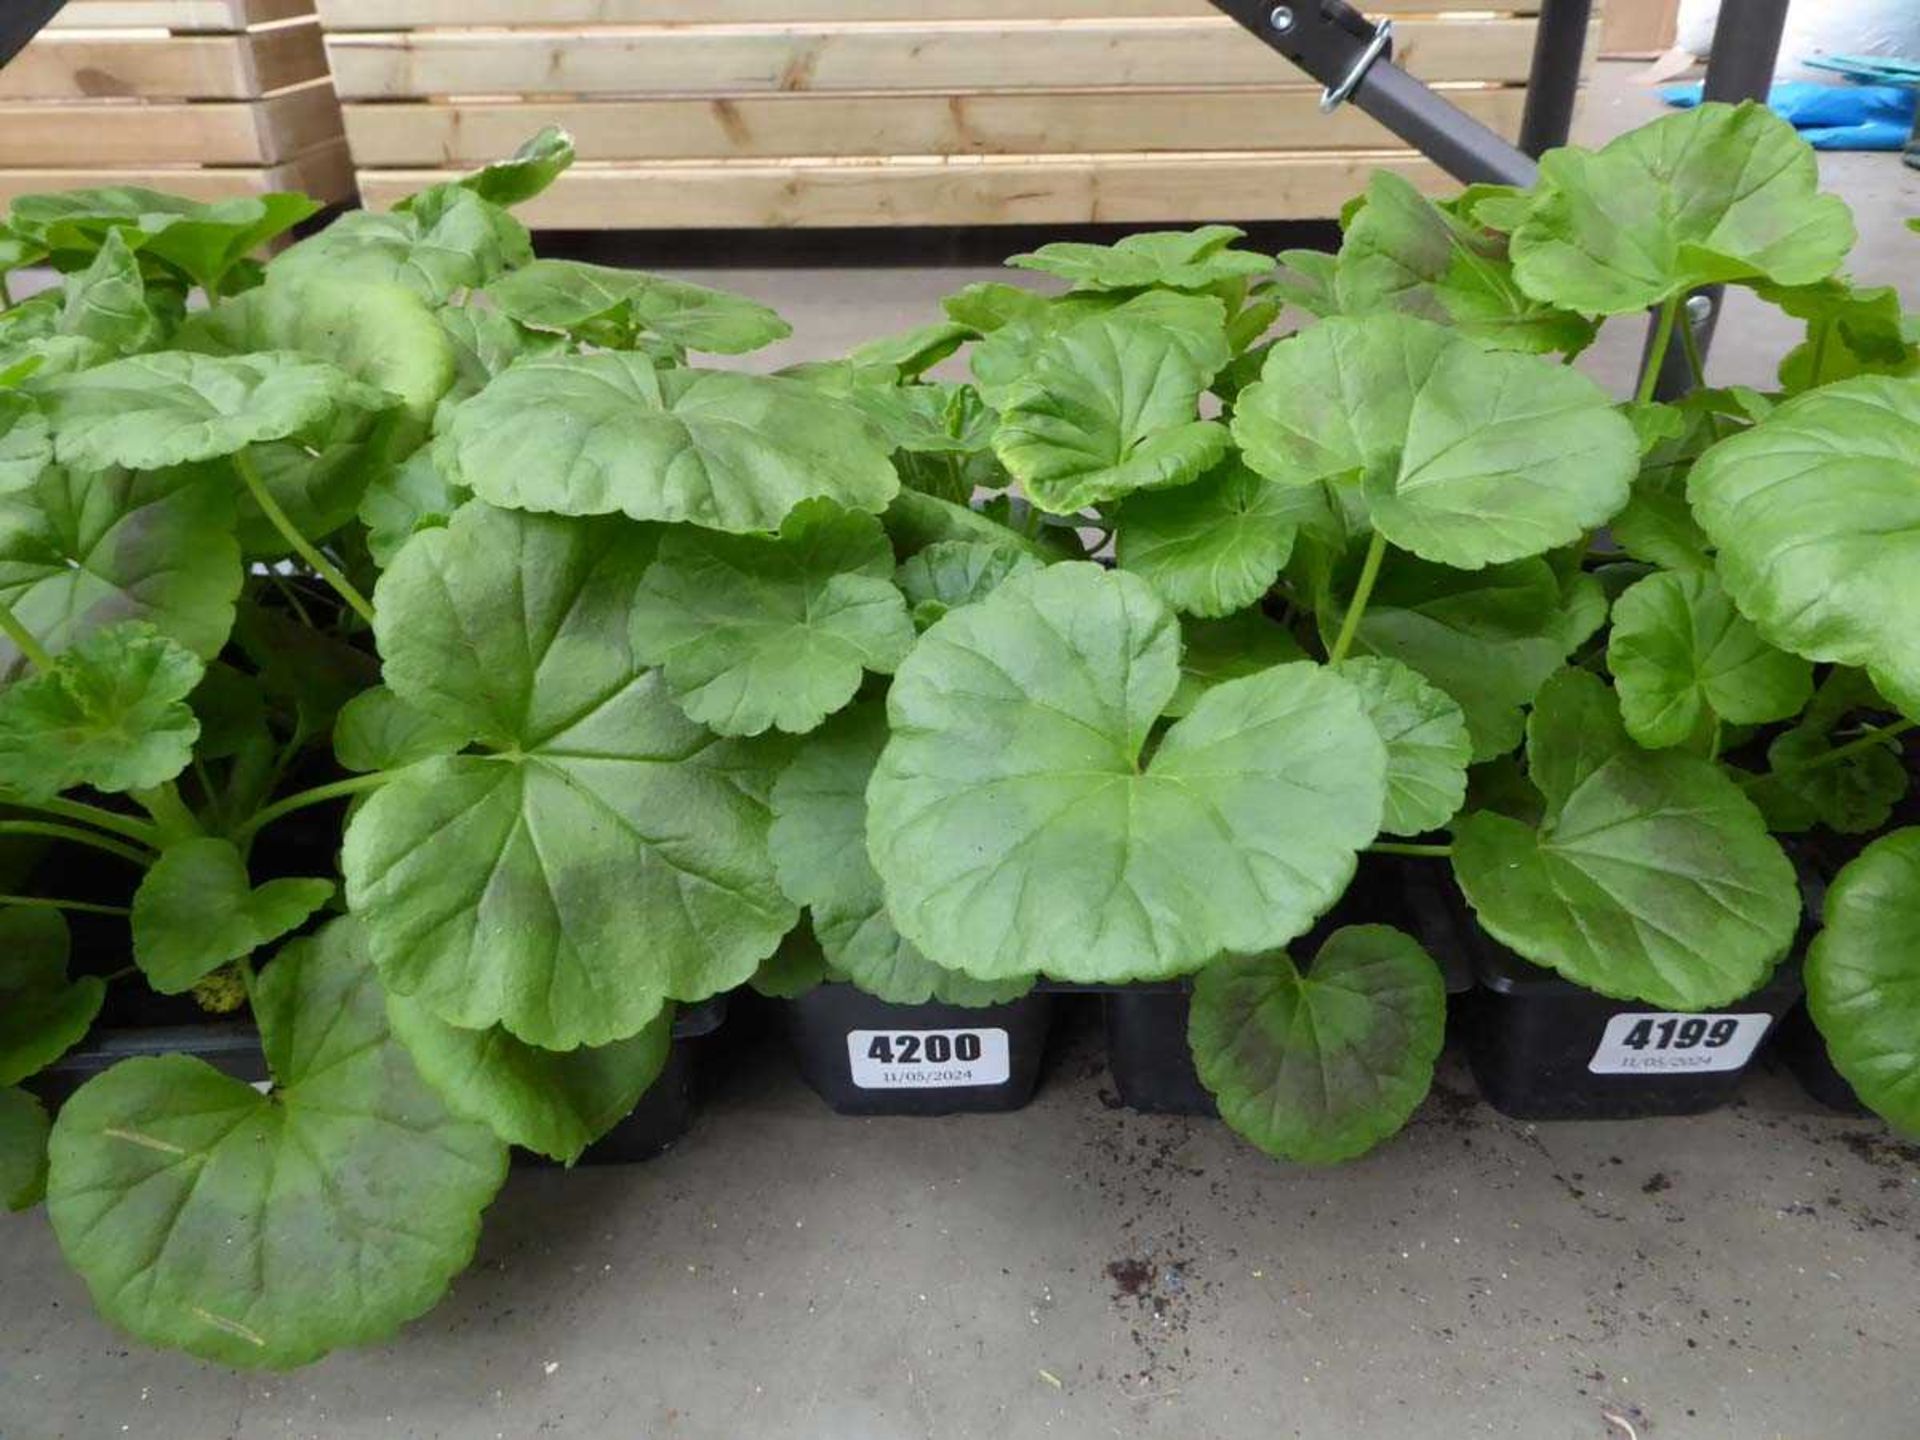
(866, 1057)
(233, 1047)
(1533, 1037)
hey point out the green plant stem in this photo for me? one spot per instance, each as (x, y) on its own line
(77, 836)
(139, 831)
(169, 811)
(1657, 352)
(23, 639)
(41, 902)
(1387, 847)
(1696, 362)
(1821, 333)
(250, 476)
(1369, 573)
(1834, 756)
(301, 799)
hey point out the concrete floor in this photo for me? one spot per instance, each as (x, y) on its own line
(1080, 1271)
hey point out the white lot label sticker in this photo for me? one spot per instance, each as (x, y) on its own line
(927, 1059)
(1661, 1043)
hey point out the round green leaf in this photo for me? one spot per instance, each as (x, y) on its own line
(1016, 829)
(1651, 877)
(1816, 512)
(110, 715)
(42, 1014)
(1109, 406)
(196, 909)
(23, 1149)
(599, 434)
(1428, 748)
(265, 1230)
(1214, 546)
(26, 442)
(819, 845)
(571, 295)
(1721, 192)
(1682, 657)
(377, 730)
(951, 573)
(610, 855)
(382, 334)
(151, 411)
(446, 238)
(415, 495)
(554, 1102)
(1322, 1067)
(1467, 457)
(1005, 358)
(80, 552)
(754, 632)
(1863, 976)
(1177, 259)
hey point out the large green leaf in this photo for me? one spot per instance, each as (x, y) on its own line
(196, 909)
(1321, 1067)
(1466, 457)
(26, 442)
(598, 434)
(1177, 259)
(1109, 406)
(1404, 252)
(1016, 828)
(42, 1014)
(451, 239)
(819, 844)
(1489, 638)
(555, 1102)
(1005, 358)
(265, 1230)
(111, 715)
(379, 333)
(151, 411)
(23, 1149)
(203, 241)
(1721, 192)
(613, 307)
(610, 855)
(1683, 658)
(1816, 512)
(1426, 738)
(755, 632)
(81, 551)
(1651, 877)
(1214, 546)
(1863, 976)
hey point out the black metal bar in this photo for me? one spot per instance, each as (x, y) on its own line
(1454, 141)
(20, 21)
(1328, 39)
(1554, 82)
(1746, 47)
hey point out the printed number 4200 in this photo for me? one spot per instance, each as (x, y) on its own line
(909, 1049)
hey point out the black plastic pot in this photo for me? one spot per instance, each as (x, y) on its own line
(1800, 1043)
(1543, 1048)
(866, 1057)
(233, 1047)
(1147, 1051)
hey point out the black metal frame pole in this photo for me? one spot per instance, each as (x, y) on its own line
(20, 21)
(1746, 46)
(1553, 85)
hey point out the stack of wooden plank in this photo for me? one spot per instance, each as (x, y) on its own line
(758, 113)
(207, 98)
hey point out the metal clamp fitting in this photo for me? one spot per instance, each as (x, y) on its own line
(1334, 96)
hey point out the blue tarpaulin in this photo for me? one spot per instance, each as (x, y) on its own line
(1833, 117)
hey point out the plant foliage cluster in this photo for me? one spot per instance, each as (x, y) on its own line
(642, 679)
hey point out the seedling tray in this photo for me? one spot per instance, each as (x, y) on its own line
(1543, 1048)
(866, 1057)
(233, 1047)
